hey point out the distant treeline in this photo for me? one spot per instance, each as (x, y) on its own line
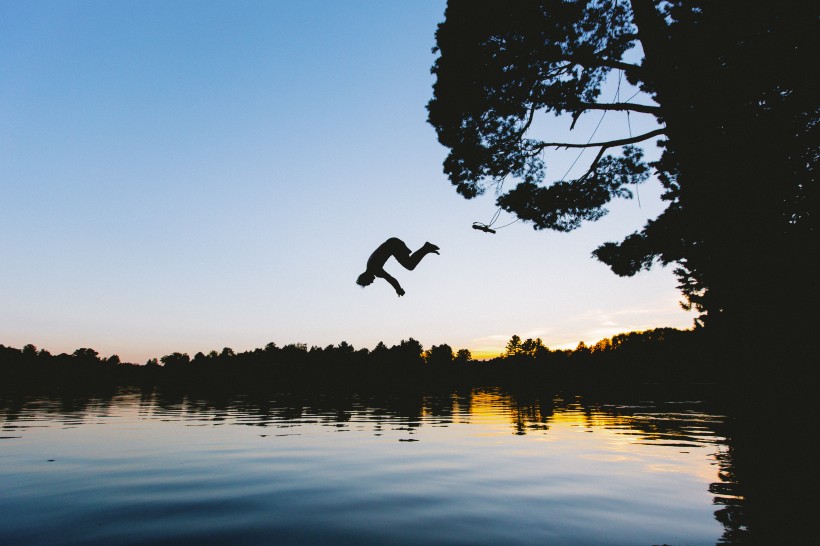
(659, 356)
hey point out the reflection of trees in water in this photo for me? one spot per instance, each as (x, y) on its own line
(17, 411)
(525, 412)
(728, 496)
(768, 473)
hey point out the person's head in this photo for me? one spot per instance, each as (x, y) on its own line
(365, 279)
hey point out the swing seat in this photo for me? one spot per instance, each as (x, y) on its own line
(483, 227)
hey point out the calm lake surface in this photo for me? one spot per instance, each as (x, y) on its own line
(475, 467)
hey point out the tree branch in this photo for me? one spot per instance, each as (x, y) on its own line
(609, 63)
(575, 116)
(620, 106)
(607, 144)
(594, 162)
(593, 61)
(529, 121)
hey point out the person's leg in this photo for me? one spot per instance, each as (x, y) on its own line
(410, 261)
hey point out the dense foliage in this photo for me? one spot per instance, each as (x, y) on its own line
(735, 99)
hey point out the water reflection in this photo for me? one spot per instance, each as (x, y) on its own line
(622, 465)
(681, 424)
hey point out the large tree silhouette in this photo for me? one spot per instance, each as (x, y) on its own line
(734, 97)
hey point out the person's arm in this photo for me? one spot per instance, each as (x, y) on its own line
(393, 282)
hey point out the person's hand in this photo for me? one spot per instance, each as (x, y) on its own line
(400, 292)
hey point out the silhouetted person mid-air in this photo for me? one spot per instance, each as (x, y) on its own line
(396, 248)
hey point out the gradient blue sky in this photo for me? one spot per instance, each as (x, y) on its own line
(192, 175)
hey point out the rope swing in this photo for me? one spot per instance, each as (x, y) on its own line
(488, 228)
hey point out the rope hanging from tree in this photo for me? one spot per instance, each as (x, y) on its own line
(488, 227)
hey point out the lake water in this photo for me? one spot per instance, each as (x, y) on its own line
(475, 467)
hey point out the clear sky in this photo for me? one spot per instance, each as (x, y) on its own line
(193, 175)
